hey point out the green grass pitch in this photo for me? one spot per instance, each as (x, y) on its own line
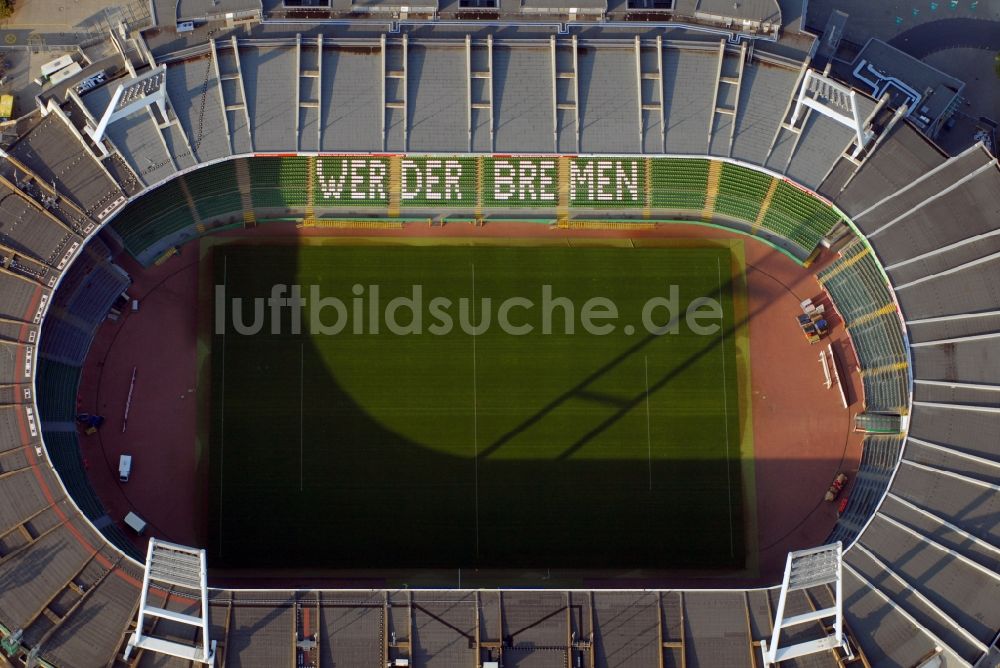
(427, 451)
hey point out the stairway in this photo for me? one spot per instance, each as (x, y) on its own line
(765, 205)
(562, 208)
(195, 216)
(246, 192)
(395, 185)
(712, 190)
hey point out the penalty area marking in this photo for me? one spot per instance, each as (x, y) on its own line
(725, 406)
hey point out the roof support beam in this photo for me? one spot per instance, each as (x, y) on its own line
(468, 91)
(943, 249)
(916, 182)
(382, 47)
(951, 452)
(66, 585)
(79, 602)
(788, 110)
(38, 207)
(163, 139)
(960, 386)
(18, 550)
(555, 94)
(895, 606)
(957, 339)
(319, 92)
(938, 546)
(663, 99)
(243, 90)
(489, 51)
(951, 474)
(222, 97)
(63, 201)
(406, 92)
(638, 99)
(943, 522)
(298, 91)
(958, 407)
(954, 186)
(956, 316)
(402, 103)
(576, 89)
(736, 102)
(715, 96)
(948, 272)
(173, 120)
(947, 619)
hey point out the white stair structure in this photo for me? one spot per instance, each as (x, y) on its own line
(836, 101)
(804, 569)
(176, 566)
(129, 97)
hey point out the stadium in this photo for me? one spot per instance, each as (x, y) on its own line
(570, 335)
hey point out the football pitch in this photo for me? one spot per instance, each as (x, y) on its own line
(379, 406)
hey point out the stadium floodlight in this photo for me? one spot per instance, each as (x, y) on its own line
(833, 100)
(131, 96)
(804, 569)
(178, 566)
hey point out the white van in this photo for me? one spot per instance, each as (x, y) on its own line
(135, 523)
(124, 467)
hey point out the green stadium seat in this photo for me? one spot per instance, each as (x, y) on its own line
(680, 184)
(741, 192)
(861, 295)
(64, 450)
(800, 218)
(152, 217)
(57, 384)
(215, 190)
(279, 182)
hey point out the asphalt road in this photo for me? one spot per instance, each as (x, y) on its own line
(928, 38)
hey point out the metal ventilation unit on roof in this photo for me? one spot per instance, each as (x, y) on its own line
(804, 569)
(177, 566)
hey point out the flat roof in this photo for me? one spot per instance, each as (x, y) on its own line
(765, 11)
(882, 65)
(565, 4)
(199, 9)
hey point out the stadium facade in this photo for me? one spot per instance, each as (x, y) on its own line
(916, 287)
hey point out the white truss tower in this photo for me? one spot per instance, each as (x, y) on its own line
(804, 569)
(129, 97)
(833, 100)
(179, 566)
